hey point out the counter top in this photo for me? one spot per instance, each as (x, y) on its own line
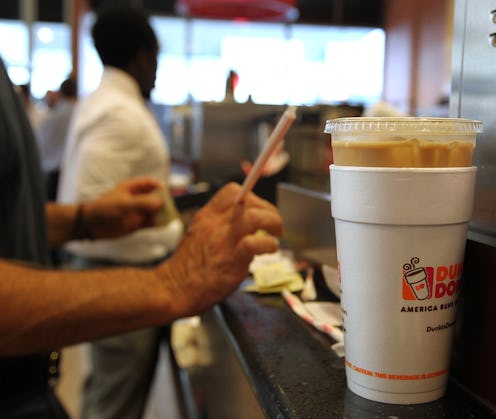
(294, 373)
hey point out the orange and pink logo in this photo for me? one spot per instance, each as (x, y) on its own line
(427, 282)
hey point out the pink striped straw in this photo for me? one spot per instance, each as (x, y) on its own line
(283, 125)
(299, 308)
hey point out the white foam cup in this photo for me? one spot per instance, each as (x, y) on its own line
(400, 235)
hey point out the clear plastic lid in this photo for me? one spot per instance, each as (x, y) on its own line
(403, 125)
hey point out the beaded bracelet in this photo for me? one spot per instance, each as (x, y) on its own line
(81, 227)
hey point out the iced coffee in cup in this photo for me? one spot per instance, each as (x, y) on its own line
(403, 142)
(401, 196)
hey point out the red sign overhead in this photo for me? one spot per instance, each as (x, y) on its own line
(260, 10)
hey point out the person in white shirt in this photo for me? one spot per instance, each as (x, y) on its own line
(113, 136)
(36, 113)
(52, 134)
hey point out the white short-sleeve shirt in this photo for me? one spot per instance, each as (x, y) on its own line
(114, 137)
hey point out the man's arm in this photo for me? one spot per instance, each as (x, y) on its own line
(43, 309)
(126, 208)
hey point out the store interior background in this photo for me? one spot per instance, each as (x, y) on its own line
(337, 58)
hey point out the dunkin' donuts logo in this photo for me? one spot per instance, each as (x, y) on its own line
(428, 282)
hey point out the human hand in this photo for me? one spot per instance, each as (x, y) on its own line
(213, 257)
(124, 209)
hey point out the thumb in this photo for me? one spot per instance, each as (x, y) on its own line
(255, 244)
(141, 185)
(149, 202)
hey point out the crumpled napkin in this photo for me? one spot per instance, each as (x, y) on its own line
(273, 272)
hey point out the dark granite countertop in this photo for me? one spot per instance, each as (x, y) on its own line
(295, 373)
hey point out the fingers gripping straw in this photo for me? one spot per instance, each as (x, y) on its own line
(401, 196)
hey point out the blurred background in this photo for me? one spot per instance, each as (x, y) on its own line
(330, 57)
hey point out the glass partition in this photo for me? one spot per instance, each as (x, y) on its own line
(15, 53)
(276, 63)
(52, 57)
(45, 62)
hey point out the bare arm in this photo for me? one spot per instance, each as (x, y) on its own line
(43, 309)
(124, 209)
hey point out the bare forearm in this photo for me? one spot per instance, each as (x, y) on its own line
(43, 309)
(61, 223)
(124, 209)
